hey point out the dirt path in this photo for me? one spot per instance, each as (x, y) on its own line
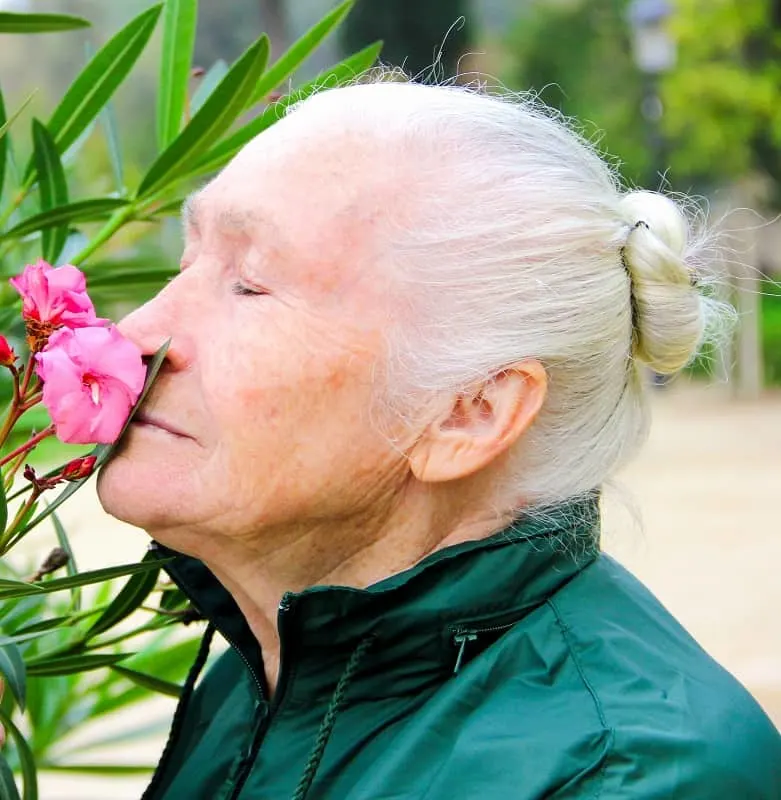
(706, 487)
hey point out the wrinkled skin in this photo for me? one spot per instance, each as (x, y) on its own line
(282, 471)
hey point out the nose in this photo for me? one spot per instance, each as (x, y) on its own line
(156, 322)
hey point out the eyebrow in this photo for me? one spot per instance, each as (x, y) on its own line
(246, 222)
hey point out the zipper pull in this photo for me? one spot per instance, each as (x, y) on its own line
(461, 639)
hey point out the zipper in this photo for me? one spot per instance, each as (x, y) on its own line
(255, 677)
(462, 636)
(283, 616)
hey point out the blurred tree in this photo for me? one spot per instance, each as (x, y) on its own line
(415, 34)
(577, 57)
(722, 101)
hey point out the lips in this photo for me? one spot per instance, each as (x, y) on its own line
(153, 421)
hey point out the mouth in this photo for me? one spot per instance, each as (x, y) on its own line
(152, 422)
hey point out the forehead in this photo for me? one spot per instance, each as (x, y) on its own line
(318, 200)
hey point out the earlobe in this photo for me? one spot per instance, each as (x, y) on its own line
(480, 425)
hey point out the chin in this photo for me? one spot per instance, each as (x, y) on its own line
(131, 494)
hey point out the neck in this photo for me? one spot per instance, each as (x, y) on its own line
(347, 552)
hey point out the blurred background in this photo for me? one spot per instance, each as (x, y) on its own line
(682, 96)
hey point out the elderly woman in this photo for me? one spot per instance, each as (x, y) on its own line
(406, 350)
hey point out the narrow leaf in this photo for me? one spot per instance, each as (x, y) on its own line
(335, 76)
(130, 597)
(179, 22)
(216, 115)
(19, 638)
(298, 52)
(7, 124)
(52, 186)
(39, 23)
(108, 120)
(46, 625)
(12, 667)
(3, 508)
(98, 81)
(20, 589)
(8, 790)
(70, 565)
(3, 149)
(208, 83)
(25, 588)
(67, 665)
(102, 769)
(26, 758)
(149, 681)
(68, 214)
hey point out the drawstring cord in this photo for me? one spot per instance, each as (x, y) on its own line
(181, 708)
(327, 725)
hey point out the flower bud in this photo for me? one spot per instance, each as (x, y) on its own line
(79, 468)
(7, 355)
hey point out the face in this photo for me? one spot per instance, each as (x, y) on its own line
(277, 323)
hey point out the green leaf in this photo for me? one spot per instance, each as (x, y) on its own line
(52, 186)
(24, 588)
(98, 81)
(26, 758)
(298, 52)
(130, 597)
(3, 147)
(45, 625)
(335, 76)
(7, 124)
(39, 23)
(70, 565)
(3, 508)
(12, 667)
(108, 120)
(216, 115)
(150, 682)
(208, 83)
(67, 665)
(101, 769)
(79, 211)
(8, 790)
(9, 589)
(179, 22)
(19, 638)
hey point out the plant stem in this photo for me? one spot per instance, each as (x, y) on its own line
(118, 219)
(7, 539)
(14, 468)
(27, 377)
(28, 445)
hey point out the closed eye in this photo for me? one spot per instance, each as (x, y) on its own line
(245, 291)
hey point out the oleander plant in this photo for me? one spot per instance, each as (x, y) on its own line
(76, 646)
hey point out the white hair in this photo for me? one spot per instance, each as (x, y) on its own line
(527, 247)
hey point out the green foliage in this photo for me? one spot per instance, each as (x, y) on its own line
(64, 656)
(175, 67)
(771, 332)
(39, 23)
(721, 101)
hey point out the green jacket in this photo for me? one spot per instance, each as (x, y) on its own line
(527, 665)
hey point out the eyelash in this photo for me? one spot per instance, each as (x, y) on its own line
(244, 291)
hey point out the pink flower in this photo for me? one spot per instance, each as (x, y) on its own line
(55, 295)
(91, 379)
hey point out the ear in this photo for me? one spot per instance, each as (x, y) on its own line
(480, 424)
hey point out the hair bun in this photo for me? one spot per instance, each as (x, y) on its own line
(669, 320)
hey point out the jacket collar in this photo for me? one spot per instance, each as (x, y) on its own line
(417, 618)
